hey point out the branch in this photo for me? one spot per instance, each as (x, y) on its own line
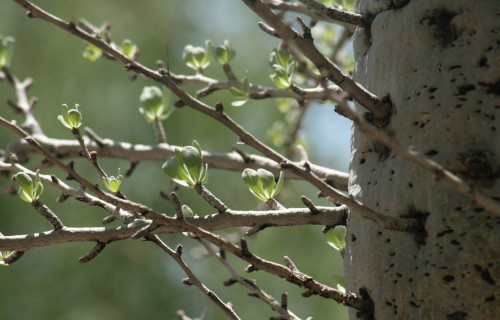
(313, 14)
(434, 168)
(291, 275)
(24, 104)
(67, 191)
(122, 203)
(48, 214)
(336, 14)
(210, 198)
(69, 234)
(255, 91)
(138, 152)
(250, 284)
(231, 218)
(304, 43)
(193, 280)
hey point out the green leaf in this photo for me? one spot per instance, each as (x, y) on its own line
(208, 55)
(38, 186)
(154, 104)
(237, 93)
(186, 167)
(70, 118)
(151, 97)
(281, 81)
(198, 58)
(183, 172)
(279, 185)
(204, 174)
(29, 190)
(187, 211)
(6, 50)
(113, 183)
(74, 118)
(268, 183)
(240, 94)
(239, 103)
(224, 53)
(339, 280)
(283, 65)
(25, 182)
(171, 167)
(92, 52)
(129, 49)
(336, 237)
(191, 158)
(254, 184)
(245, 85)
(3, 255)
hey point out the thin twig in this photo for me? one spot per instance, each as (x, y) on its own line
(250, 284)
(23, 102)
(161, 137)
(336, 14)
(48, 214)
(210, 198)
(434, 168)
(326, 67)
(138, 152)
(364, 97)
(176, 255)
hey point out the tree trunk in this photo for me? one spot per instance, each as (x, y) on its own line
(439, 64)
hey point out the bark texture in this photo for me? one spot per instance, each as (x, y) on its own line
(439, 64)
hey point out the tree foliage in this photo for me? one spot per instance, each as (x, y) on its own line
(253, 149)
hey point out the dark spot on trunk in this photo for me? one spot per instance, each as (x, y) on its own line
(485, 274)
(431, 153)
(492, 88)
(462, 90)
(479, 165)
(382, 150)
(483, 62)
(442, 27)
(442, 233)
(448, 278)
(459, 315)
(421, 234)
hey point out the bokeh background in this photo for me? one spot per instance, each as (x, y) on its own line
(134, 279)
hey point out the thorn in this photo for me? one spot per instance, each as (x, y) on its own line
(306, 30)
(244, 248)
(308, 293)
(178, 249)
(99, 246)
(251, 268)
(284, 300)
(108, 219)
(229, 282)
(308, 203)
(13, 257)
(187, 282)
(219, 107)
(243, 154)
(179, 104)
(289, 263)
(63, 197)
(222, 254)
(267, 29)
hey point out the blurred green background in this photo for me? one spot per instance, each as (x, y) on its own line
(134, 279)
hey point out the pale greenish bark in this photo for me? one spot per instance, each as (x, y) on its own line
(439, 63)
